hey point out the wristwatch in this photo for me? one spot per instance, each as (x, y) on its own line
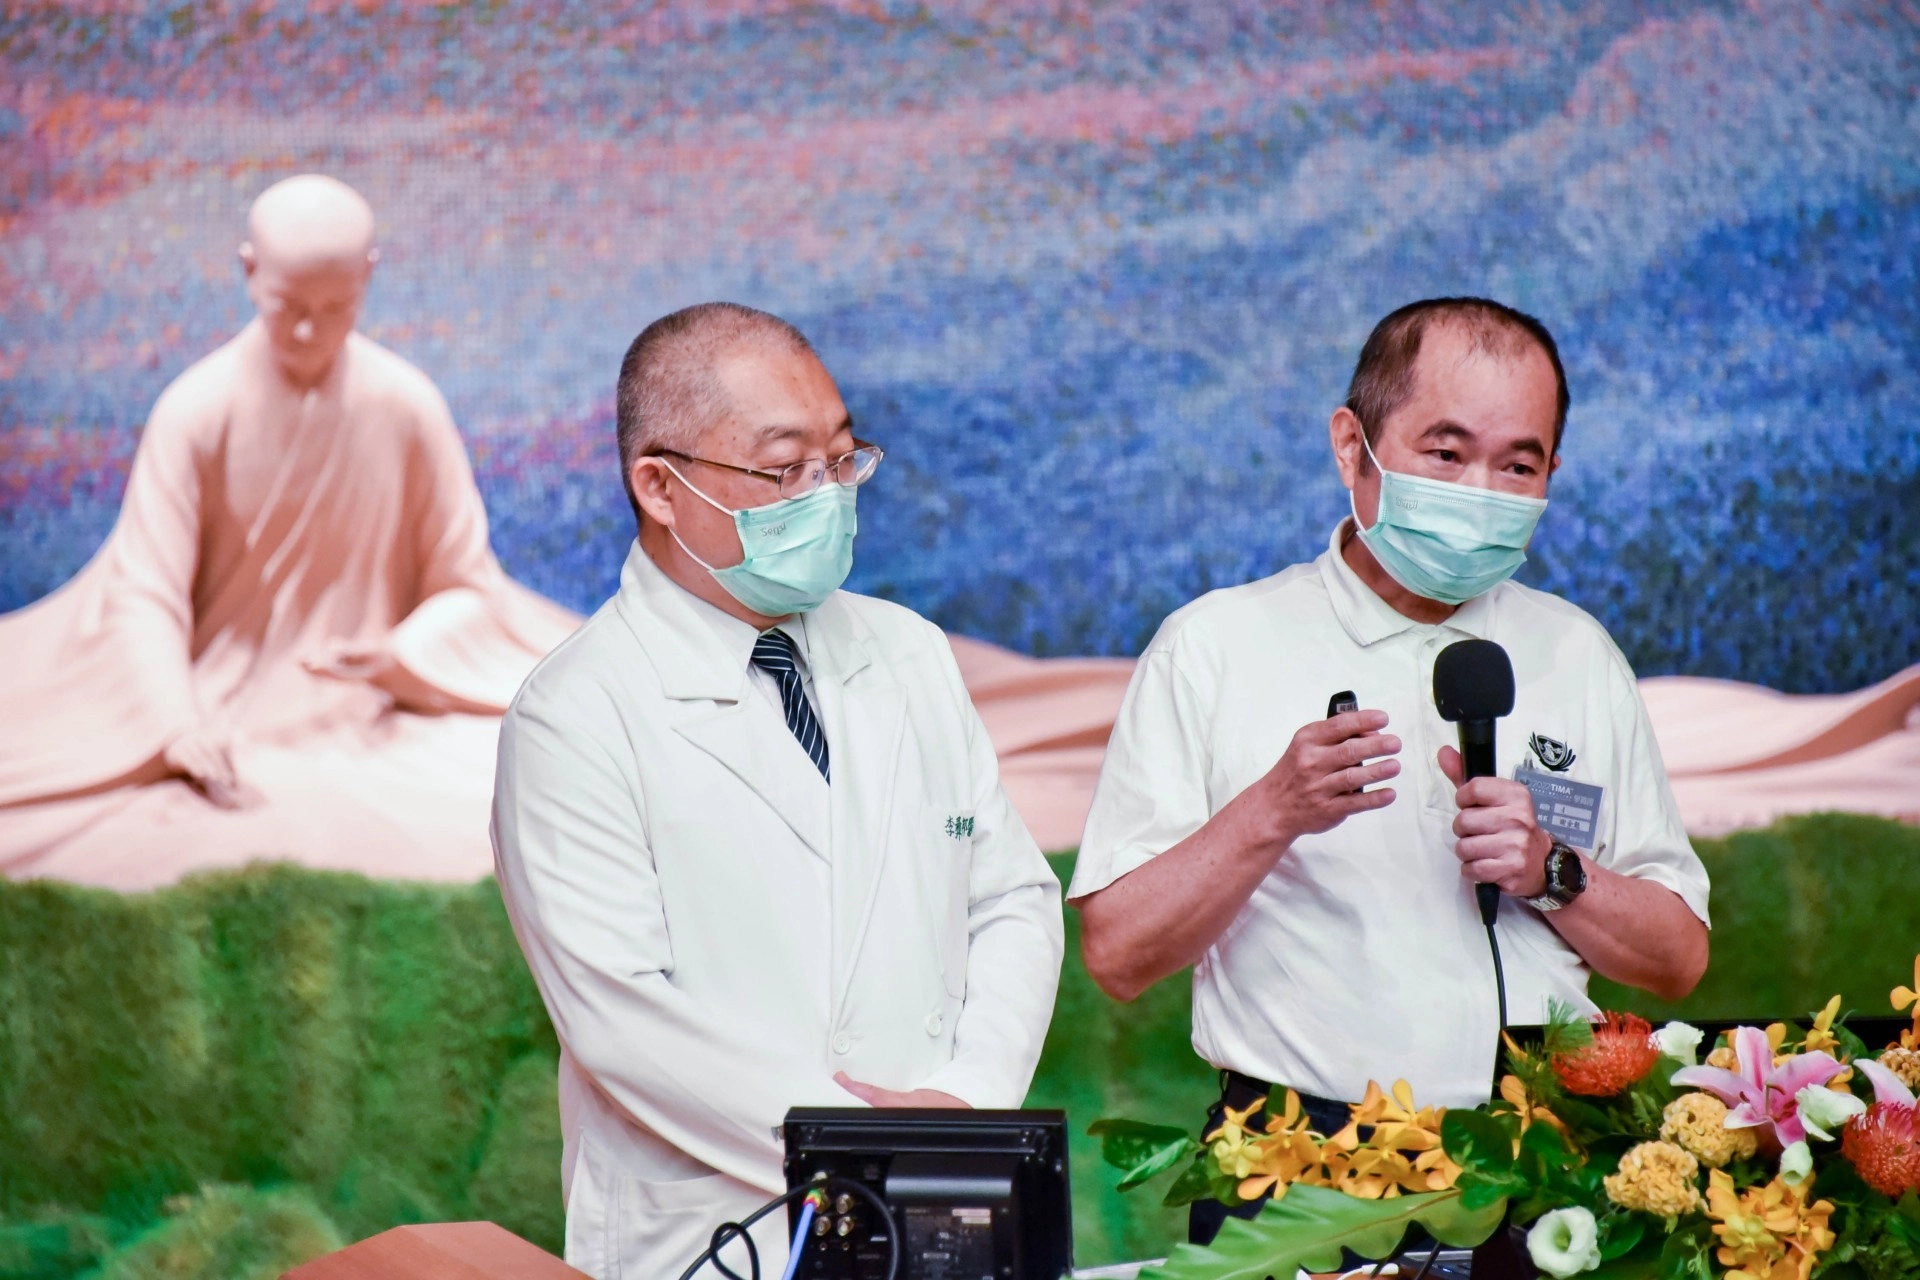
(1566, 878)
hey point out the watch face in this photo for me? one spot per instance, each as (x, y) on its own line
(1565, 876)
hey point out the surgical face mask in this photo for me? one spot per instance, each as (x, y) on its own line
(796, 552)
(1447, 542)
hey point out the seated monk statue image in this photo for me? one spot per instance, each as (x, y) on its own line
(296, 643)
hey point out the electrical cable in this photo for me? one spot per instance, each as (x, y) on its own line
(1499, 984)
(859, 1188)
(1425, 1266)
(799, 1238)
(721, 1234)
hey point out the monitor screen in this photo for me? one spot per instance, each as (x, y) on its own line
(972, 1195)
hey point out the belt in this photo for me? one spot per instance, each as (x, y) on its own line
(1237, 1089)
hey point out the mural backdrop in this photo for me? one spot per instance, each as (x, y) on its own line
(1093, 274)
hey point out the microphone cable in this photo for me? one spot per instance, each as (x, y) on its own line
(728, 1230)
(1499, 971)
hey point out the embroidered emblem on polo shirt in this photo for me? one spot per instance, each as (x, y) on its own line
(960, 827)
(1556, 756)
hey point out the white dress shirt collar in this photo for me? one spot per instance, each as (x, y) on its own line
(733, 637)
(1367, 618)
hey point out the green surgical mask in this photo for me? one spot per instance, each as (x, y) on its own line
(795, 552)
(1447, 542)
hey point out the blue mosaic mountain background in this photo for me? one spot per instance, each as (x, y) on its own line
(1095, 275)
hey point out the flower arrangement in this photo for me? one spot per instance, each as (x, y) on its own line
(1788, 1154)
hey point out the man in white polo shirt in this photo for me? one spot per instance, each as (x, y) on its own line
(1319, 871)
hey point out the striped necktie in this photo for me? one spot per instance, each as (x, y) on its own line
(773, 652)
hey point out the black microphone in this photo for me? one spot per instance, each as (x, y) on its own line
(1473, 687)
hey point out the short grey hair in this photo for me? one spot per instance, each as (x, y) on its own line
(1383, 378)
(668, 394)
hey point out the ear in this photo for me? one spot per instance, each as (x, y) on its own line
(247, 260)
(1349, 448)
(647, 479)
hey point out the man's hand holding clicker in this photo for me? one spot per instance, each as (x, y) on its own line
(1501, 842)
(1317, 784)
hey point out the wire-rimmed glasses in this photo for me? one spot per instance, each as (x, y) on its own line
(852, 469)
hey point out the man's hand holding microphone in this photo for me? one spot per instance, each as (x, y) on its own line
(1501, 842)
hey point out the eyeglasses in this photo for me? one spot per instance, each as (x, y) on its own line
(852, 469)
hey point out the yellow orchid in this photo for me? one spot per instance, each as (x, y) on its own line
(1743, 1234)
(1394, 1113)
(1909, 997)
(1373, 1172)
(1232, 1142)
(1767, 1232)
(1288, 1153)
(1283, 1160)
(1290, 1119)
(1514, 1094)
(1821, 1036)
(1440, 1170)
(1402, 1151)
(1267, 1156)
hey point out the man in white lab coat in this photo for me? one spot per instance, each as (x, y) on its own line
(749, 827)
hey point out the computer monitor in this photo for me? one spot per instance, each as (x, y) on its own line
(972, 1195)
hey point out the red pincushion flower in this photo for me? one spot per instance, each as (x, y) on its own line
(1621, 1053)
(1884, 1145)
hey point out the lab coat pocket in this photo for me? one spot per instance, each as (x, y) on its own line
(947, 836)
(660, 1227)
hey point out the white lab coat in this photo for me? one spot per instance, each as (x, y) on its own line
(659, 838)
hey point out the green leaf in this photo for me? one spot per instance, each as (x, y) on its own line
(1647, 1268)
(1684, 1256)
(1141, 1150)
(1647, 1098)
(1850, 1047)
(1548, 1163)
(1194, 1183)
(1223, 1187)
(1620, 1236)
(1567, 1030)
(1477, 1141)
(1309, 1227)
(1590, 1119)
(1478, 1190)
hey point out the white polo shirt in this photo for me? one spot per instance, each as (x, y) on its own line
(1361, 956)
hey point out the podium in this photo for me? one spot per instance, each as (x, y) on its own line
(439, 1251)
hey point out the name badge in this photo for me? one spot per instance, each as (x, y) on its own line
(1565, 809)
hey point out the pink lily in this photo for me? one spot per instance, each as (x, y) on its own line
(1760, 1093)
(1887, 1087)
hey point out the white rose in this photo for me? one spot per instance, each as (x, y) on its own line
(1796, 1164)
(1824, 1112)
(1679, 1040)
(1565, 1243)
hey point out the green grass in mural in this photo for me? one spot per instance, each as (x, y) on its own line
(211, 1081)
(236, 1233)
(1803, 910)
(371, 1042)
